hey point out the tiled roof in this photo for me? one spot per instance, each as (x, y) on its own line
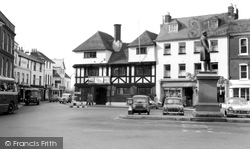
(121, 56)
(99, 41)
(239, 26)
(146, 38)
(30, 57)
(191, 27)
(40, 54)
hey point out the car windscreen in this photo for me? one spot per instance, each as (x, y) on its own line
(173, 101)
(236, 102)
(140, 100)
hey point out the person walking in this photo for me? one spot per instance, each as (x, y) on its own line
(156, 101)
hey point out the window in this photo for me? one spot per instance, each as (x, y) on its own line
(18, 77)
(197, 47)
(40, 80)
(167, 49)
(144, 91)
(11, 65)
(89, 54)
(118, 71)
(7, 68)
(243, 46)
(22, 77)
(241, 92)
(122, 91)
(34, 66)
(19, 63)
(28, 64)
(173, 27)
(142, 70)
(167, 71)
(243, 71)
(2, 66)
(92, 71)
(182, 70)
(27, 78)
(3, 40)
(197, 68)
(214, 66)
(214, 45)
(142, 50)
(182, 48)
(7, 44)
(40, 67)
(34, 79)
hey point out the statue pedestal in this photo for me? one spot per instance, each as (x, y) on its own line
(207, 105)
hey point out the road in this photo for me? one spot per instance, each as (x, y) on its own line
(101, 128)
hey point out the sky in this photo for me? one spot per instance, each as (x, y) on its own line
(56, 27)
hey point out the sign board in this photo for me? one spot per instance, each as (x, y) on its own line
(99, 80)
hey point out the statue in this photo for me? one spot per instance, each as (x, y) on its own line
(205, 52)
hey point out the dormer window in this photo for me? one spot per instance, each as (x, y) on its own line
(173, 27)
(142, 50)
(89, 54)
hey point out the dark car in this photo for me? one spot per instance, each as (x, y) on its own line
(173, 105)
(140, 104)
(32, 95)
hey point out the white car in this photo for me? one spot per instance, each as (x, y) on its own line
(235, 106)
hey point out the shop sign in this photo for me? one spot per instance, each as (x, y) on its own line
(99, 80)
(178, 84)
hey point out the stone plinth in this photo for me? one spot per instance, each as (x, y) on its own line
(207, 105)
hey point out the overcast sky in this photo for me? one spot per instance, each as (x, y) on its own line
(56, 27)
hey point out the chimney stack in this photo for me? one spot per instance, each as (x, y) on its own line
(167, 18)
(117, 32)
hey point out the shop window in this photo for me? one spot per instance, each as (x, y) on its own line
(93, 71)
(123, 91)
(197, 68)
(143, 70)
(144, 91)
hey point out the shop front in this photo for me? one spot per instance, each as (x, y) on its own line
(185, 89)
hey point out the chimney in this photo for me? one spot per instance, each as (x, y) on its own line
(167, 18)
(231, 11)
(237, 13)
(117, 32)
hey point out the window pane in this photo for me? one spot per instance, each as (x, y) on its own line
(167, 49)
(214, 45)
(182, 47)
(236, 92)
(197, 46)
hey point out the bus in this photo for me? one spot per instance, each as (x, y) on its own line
(8, 95)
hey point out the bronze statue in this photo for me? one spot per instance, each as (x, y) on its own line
(205, 52)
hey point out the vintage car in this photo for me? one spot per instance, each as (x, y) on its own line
(66, 98)
(54, 98)
(173, 105)
(235, 106)
(32, 95)
(139, 104)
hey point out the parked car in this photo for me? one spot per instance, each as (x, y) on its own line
(139, 104)
(173, 105)
(54, 98)
(235, 106)
(32, 95)
(66, 98)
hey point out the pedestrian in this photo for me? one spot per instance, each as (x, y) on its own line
(89, 99)
(205, 52)
(163, 100)
(156, 101)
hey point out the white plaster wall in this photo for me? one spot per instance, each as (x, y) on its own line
(189, 59)
(150, 56)
(101, 57)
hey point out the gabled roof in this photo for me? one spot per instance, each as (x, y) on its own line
(29, 57)
(99, 41)
(146, 38)
(40, 54)
(59, 63)
(56, 75)
(191, 27)
(239, 26)
(120, 57)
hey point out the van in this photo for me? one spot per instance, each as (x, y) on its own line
(66, 98)
(32, 95)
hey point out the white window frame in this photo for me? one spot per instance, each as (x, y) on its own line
(243, 64)
(182, 73)
(241, 46)
(167, 74)
(167, 51)
(173, 27)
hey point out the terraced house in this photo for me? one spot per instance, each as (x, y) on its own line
(166, 64)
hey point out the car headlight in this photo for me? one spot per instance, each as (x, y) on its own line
(144, 106)
(230, 108)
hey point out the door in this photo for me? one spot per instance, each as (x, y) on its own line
(101, 96)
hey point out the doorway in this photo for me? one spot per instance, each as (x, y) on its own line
(101, 96)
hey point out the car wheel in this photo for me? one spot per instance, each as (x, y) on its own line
(11, 108)
(148, 112)
(27, 103)
(38, 103)
(225, 114)
(164, 114)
